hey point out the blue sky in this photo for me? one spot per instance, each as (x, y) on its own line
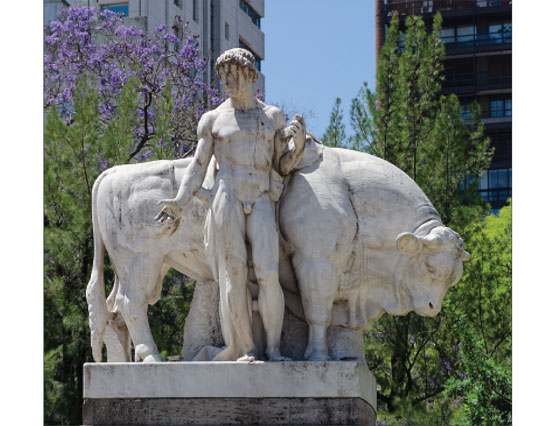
(316, 51)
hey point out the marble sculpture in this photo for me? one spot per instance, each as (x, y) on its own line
(270, 224)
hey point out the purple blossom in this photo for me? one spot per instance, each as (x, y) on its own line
(71, 51)
(102, 163)
(146, 154)
(172, 38)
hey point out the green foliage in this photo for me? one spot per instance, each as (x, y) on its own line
(438, 411)
(484, 292)
(335, 133)
(77, 150)
(486, 386)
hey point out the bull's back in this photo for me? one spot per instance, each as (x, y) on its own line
(127, 204)
(387, 201)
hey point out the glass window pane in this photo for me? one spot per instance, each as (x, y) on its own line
(496, 33)
(509, 107)
(483, 181)
(465, 34)
(496, 108)
(465, 30)
(498, 178)
(447, 35)
(496, 29)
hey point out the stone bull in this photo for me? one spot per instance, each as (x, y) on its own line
(359, 239)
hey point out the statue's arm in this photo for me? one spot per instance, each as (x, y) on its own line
(194, 173)
(295, 138)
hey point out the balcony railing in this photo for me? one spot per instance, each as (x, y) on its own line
(478, 39)
(417, 7)
(478, 79)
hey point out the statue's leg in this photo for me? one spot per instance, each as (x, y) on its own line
(132, 300)
(230, 252)
(263, 236)
(318, 285)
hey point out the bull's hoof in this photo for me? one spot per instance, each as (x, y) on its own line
(153, 358)
(275, 355)
(319, 356)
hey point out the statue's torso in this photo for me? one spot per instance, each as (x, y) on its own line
(244, 150)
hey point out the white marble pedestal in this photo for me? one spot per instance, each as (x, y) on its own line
(214, 393)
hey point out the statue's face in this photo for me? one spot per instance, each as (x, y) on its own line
(235, 80)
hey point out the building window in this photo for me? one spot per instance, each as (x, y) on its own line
(247, 8)
(461, 36)
(256, 57)
(465, 111)
(195, 10)
(447, 35)
(121, 8)
(501, 108)
(495, 185)
(226, 31)
(178, 3)
(500, 33)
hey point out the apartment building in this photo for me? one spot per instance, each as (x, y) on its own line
(219, 24)
(478, 66)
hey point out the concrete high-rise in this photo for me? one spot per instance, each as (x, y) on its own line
(478, 66)
(219, 24)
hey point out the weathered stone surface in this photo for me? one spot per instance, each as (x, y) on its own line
(337, 392)
(258, 379)
(212, 411)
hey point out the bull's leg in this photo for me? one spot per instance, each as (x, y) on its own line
(318, 285)
(132, 300)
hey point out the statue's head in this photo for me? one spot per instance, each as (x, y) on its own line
(236, 68)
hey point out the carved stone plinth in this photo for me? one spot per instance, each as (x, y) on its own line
(335, 392)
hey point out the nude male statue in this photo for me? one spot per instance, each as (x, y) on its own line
(253, 149)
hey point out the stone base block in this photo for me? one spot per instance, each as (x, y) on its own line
(214, 393)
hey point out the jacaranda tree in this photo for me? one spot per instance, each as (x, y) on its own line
(112, 95)
(168, 71)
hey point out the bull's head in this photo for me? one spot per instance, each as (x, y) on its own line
(434, 263)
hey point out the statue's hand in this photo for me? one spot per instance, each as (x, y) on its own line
(171, 211)
(297, 130)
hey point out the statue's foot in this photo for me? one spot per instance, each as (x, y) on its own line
(249, 356)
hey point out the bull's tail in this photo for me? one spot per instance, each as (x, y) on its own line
(96, 295)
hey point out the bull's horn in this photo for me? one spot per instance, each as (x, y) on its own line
(465, 256)
(432, 243)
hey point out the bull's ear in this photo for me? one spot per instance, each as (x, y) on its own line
(408, 244)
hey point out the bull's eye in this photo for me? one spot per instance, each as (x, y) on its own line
(430, 268)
